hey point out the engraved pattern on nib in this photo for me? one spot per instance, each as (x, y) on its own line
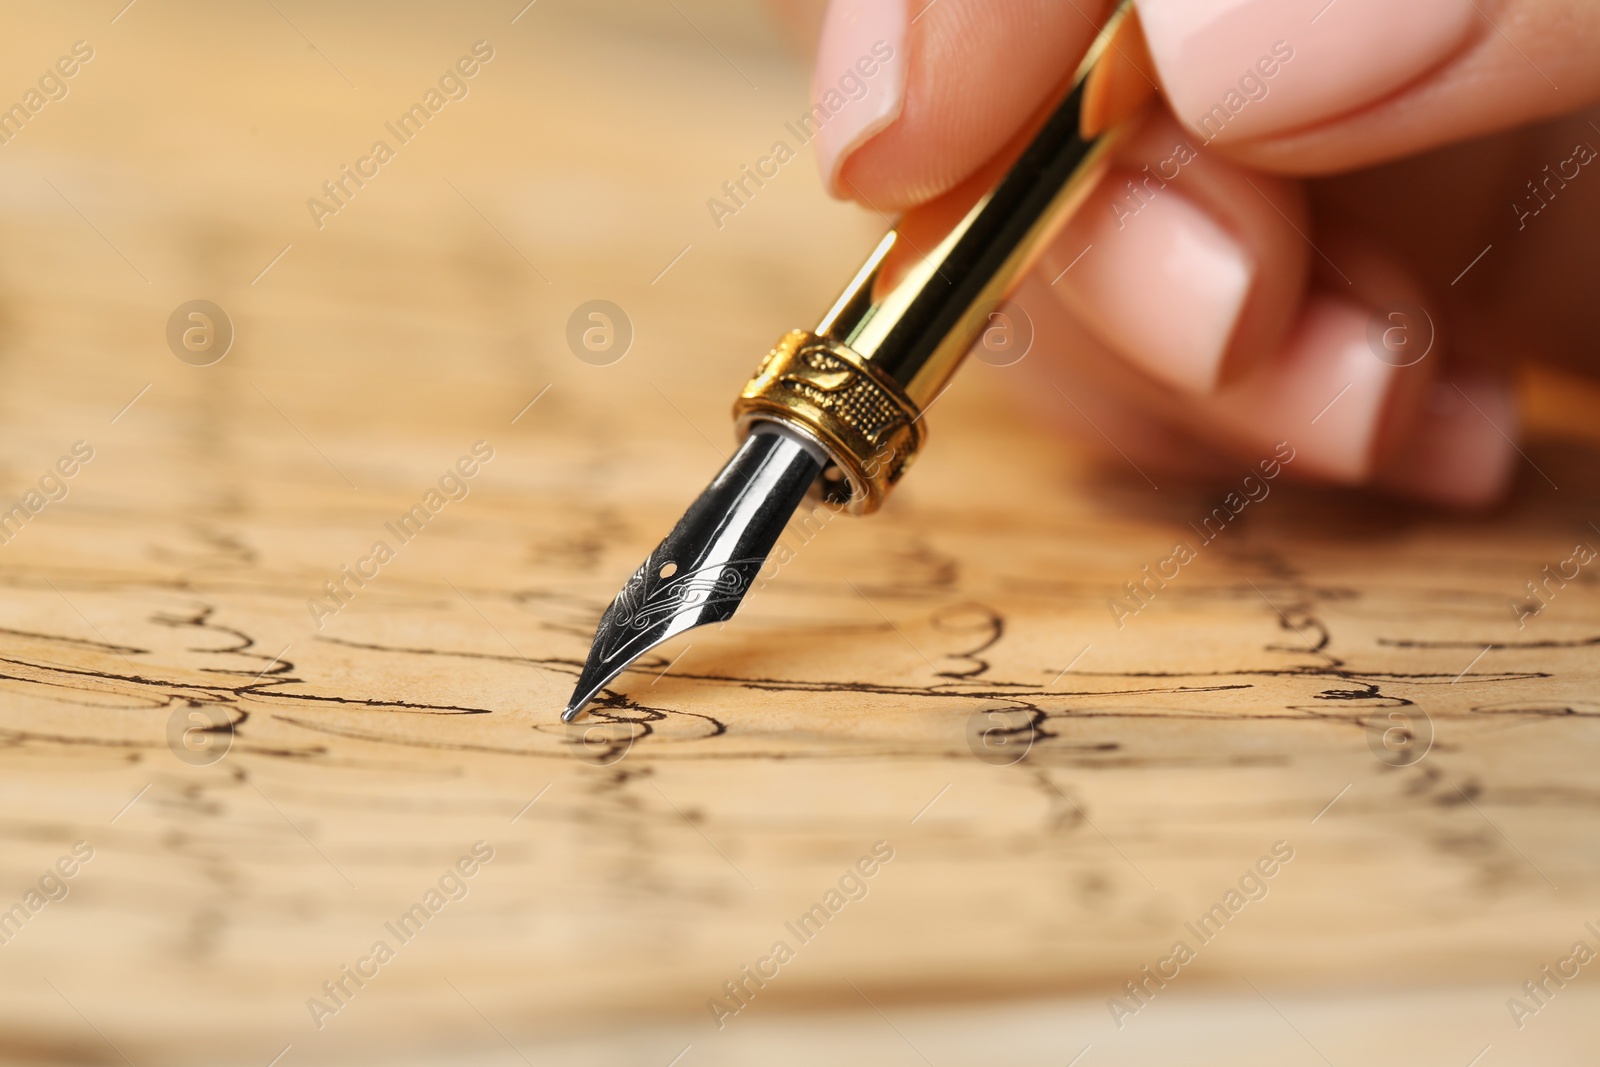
(649, 601)
(830, 382)
(702, 570)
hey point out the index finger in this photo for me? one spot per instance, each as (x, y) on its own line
(961, 79)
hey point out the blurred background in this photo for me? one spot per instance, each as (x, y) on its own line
(262, 789)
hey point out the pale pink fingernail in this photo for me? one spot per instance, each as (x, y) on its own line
(1161, 282)
(1236, 69)
(1460, 452)
(1324, 396)
(858, 85)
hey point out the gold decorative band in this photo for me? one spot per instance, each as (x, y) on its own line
(861, 417)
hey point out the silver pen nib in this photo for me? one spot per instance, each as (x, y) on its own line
(706, 565)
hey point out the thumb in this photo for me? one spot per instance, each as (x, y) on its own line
(1321, 86)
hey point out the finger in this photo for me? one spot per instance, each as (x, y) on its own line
(951, 82)
(1322, 392)
(1454, 456)
(1313, 86)
(1183, 263)
(1348, 416)
(1439, 425)
(1063, 382)
(1459, 452)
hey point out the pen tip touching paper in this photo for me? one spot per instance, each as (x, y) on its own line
(701, 572)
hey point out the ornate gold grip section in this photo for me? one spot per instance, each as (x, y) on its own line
(859, 415)
(857, 384)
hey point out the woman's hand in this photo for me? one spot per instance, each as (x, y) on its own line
(1333, 190)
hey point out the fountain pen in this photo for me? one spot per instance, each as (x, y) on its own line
(836, 412)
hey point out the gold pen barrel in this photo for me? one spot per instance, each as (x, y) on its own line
(858, 383)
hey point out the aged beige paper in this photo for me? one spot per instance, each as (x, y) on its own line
(945, 752)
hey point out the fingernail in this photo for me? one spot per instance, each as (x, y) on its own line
(1161, 282)
(1236, 70)
(1460, 452)
(859, 82)
(1325, 396)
